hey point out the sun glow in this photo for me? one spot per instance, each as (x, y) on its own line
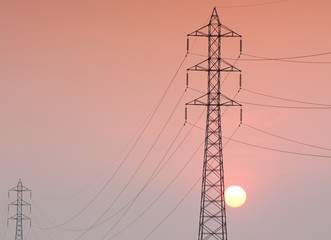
(235, 196)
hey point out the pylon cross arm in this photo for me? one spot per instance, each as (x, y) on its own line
(203, 66)
(203, 32)
(199, 102)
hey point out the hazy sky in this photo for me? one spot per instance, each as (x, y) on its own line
(79, 80)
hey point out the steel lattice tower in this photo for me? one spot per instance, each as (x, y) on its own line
(212, 223)
(19, 204)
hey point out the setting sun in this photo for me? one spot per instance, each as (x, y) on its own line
(235, 196)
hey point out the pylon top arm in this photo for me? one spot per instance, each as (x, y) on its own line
(24, 189)
(203, 32)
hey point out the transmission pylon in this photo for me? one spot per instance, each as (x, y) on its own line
(212, 223)
(19, 204)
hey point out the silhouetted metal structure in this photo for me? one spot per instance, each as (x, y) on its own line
(212, 224)
(19, 204)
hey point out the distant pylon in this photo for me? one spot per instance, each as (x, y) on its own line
(212, 223)
(19, 204)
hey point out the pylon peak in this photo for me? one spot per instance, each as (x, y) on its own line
(214, 11)
(214, 16)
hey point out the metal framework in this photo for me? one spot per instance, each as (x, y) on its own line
(19, 204)
(212, 223)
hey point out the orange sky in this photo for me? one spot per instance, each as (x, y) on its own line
(79, 79)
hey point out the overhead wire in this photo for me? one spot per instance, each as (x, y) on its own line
(5, 233)
(11, 232)
(274, 149)
(250, 5)
(284, 138)
(34, 233)
(77, 230)
(153, 176)
(132, 176)
(168, 186)
(54, 225)
(288, 59)
(283, 106)
(282, 59)
(3, 215)
(291, 57)
(43, 230)
(104, 170)
(145, 185)
(172, 211)
(136, 171)
(131, 149)
(27, 233)
(126, 205)
(281, 150)
(126, 146)
(286, 99)
(160, 195)
(153, 113)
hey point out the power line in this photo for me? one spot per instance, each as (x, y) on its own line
(144, 187)
(172, 181)
(282, 59)
(284, 138)
(126, 205)
(60, 226)
(292, 57)
(160, 195)
(75, 230)
(286, 99)
(274, 149)
(105, 170)
(35, 206)
(287, 59)
(34, 233)
(3, 219)
(250, 5)
(172, 211)
(153, 176)
(136, 171)
(281, 150)
(283, 106)
(45, 233)
(131, 149)
(126, 146)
